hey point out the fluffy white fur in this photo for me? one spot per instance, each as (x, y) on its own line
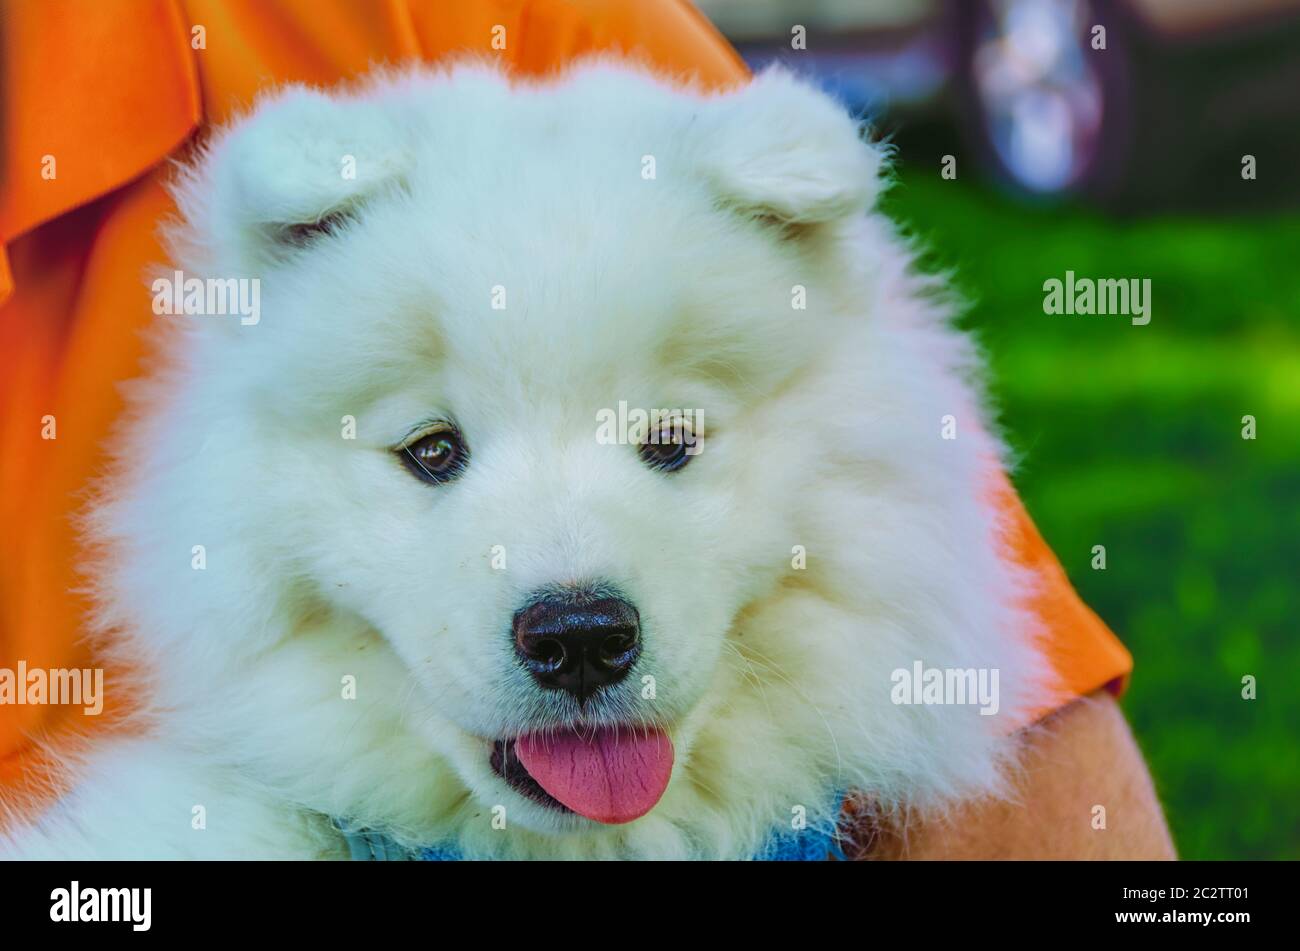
(326, 558)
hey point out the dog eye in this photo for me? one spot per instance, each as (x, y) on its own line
(438, 457)
(300, 234)
(666, 448)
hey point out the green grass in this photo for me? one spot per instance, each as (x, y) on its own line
(1130, 437)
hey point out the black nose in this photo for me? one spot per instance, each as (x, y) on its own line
(578, 643)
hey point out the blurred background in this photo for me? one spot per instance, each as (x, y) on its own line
(1122, 162)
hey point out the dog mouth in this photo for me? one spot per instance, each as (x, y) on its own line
(505, 763)
(610, 775)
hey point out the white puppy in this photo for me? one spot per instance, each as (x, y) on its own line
(444, 593)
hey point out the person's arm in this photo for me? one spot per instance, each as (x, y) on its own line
(1080, 758)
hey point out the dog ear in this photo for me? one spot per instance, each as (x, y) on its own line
(781, 150)
(294, 170)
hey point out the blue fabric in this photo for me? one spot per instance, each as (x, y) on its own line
(783, 845)
(808, 845)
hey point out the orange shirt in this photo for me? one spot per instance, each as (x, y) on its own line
(94, 97)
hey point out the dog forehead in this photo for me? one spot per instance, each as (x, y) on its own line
(562, 304)
(548, 267)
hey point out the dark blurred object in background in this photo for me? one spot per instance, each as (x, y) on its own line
(1161, 117)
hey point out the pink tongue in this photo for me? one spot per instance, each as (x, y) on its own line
(613, 776)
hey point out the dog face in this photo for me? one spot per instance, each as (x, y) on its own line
(548, 393)
(563, 478)
(552, 510)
